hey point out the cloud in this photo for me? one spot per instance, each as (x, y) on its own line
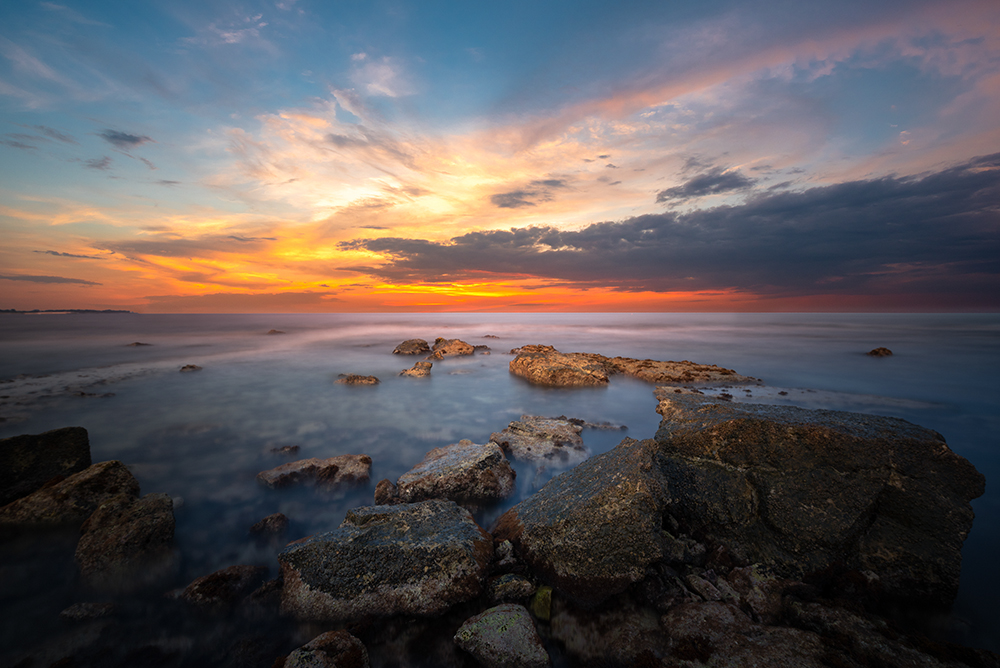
(58, 254)
(539, 190)
(55, 134)
(102, 163)
(238, 302)
(247, 240)
(14, 143)
(48, 279)
(123, 140)
(935, 234)
(382, 77)
(712, 182)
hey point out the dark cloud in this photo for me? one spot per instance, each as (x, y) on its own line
(604, 157)
(48, 279)
(539, 190)
(167, 182)
(245, 240)
(169, 246)
(611, 166)
(935, 235)
(712, 182)
(550, 183)
(102, 163)
(123, 140)
(514, 199)
(58, 254)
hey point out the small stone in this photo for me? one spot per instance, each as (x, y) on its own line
(136, 344)
(356, 379)
(275, 331)
(502, 637)
(272, 525)
(333, 649)
(879, 352)
(510, 587)
(541, 603)
(190, 367)
(286, 450)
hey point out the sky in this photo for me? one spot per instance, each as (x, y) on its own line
(403, 155)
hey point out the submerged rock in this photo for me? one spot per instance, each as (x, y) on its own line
(410, 559)
(879, 352)
(592, 531)
(464, 472)
(275, 331)
(333, 649)
(502, 637)
(412, 347)
(329, 473)
(127, 543)
(356, 379)
(807, 491)
(225, 587)
(29, 461)
(546, 442)
(418, 370)
(190, 367)
(72, 500)
(275, 524)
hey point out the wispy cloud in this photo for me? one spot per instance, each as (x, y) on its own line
(102, 163)
(713, 182)
(123, 140)
(59, 254)
(47, 279)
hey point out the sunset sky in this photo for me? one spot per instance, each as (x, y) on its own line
(307, 155)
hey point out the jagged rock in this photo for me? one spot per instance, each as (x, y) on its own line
(328, 473)
(73, 499)
(29, 461)
(879, 352)
(544, 365)
(190, 367)
(547, 442)
(418, 370)
(510, 587)
(502, 637)
(464, 472)
(450, 348)
(410, 559)
(225, 587)
(333, 649)
(127, 543)
(592, 531)
(356, 379)
(272, 525)
(618, 635)
(803, 491)
(412, 347)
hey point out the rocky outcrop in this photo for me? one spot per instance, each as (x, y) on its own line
(410, 559)
(805, 491)
(592, 531)
(546, 442)
(412, 347)
(333, 649)
(356, 379)
(29, 461)
(224, 588)
(503, 636)
(418, 370)
(126, 543)
(72, 500)
(331, 473)
(544, 365)
(450, 348)
(464, 472)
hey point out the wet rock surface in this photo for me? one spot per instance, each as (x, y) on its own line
(546, 442)
(414, 559)
(503, 636)
(330, 473)
(356, 379)
(464, 472)
(412, 347)
(29, 461)
(418, 370)
(225, 587)
(333, 649)
(71, 500)
(802, 491)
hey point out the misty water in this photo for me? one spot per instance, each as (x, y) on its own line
(202, 437)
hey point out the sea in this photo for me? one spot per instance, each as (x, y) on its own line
(202, 436)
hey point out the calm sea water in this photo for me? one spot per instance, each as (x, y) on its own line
(202, 437)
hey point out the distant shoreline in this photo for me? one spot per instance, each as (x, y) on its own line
(56, 311)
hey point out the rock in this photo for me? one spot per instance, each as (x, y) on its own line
(127, 543)
(544, 365)
(503, 637)
(490, 336)
(510, 587)
(419, 370)
(806, 492)
(541, 603)
(136, 344)
(73, 499)
(618, 635)
(190, 367)
(591, 531)
(81, 612)
(329, 473)
(356, 379)
(760, 592)
(333, 649)
(286, 450)
(385, 492)
(464, 472)
(411, 559)
(272, 525)
(275, 331)
(450, 348)
(879, 352)
(29, 461)
(412, 347)
(225, 587)
(546, 442)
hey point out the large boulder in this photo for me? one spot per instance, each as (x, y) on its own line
(469, 474)
(127, 543)
(809, 491)
(551, 443)
(501, 637)
(591, 531)
(72, 500)
(329, 473)
(410, 559)
(29, 461)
